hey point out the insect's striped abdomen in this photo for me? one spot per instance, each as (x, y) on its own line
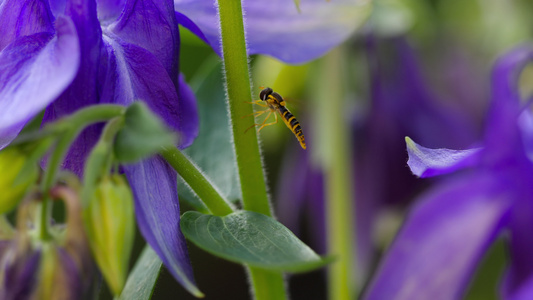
(293, 124)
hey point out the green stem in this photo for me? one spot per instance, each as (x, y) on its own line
(263, 279)
(107, 140)
(100, 160)
(249, 162)
(334, 134)
(71, 126)
(201, 185)
(267, 285)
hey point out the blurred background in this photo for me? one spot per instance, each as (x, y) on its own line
(418, 68)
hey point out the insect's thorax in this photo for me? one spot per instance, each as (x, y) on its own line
(274, 101)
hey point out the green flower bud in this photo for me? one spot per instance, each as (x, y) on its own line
(59, 277)
(110, 224)
(14, 178)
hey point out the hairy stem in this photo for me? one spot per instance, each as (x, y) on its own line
(266, 285)
(200, 184)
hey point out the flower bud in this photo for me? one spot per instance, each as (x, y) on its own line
(13, 181)
(59, 277)
(58, 267)
(19, 272)
(109, 220)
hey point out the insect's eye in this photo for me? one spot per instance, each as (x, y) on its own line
(262, 95)
(265, 93)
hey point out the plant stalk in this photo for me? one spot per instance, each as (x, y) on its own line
(266, 285)
(335, 155)
(71, 126)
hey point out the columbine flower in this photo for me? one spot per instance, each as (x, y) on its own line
(452, 226)
(125, 51)
(58, 268)
(120, 51)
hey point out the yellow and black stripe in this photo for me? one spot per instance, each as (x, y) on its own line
(274, 103)
(292, 124)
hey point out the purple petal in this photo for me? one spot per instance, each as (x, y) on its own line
(188, 123)
(58, 7)
(425, 162)
(292, 190)
(506, 72)
(525, 122)
(84, 89)
(127, 80)
(20, 275)
(524, 293)
(34, 71)
(23, 17)
(153, 184)
(506, 107)
(402, 101)
(109, 10)
(184, 21)
(520, 270)
(276, 28)
(443, 239)
(152, 25)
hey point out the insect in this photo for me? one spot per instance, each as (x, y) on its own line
(274, 103)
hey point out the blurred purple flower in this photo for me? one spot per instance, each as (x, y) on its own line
(454, 224)
(401, 103)
(28, 267)
(124, 51)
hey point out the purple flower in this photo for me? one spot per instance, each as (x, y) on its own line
(454, 224)
(276, 28)
(28, 266)
(400, 100)
(68, 55)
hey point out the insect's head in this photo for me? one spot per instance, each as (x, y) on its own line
(265, 93)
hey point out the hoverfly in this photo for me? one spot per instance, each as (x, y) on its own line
(274, 103)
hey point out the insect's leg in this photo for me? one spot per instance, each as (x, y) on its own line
(256, 114)
(268, 116)
(269, 113)
(268, 124)
(257, 102)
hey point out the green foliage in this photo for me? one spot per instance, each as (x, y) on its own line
(199, 183)
(250, 238)
(143, 134)
(142, 279)
(212, 151)
(13, 163)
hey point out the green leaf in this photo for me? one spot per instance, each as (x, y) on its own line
(250, 238)
(142, 279)
(212, 151)
(143, 134)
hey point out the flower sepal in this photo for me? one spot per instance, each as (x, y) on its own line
(143, 134)
(109, 220)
